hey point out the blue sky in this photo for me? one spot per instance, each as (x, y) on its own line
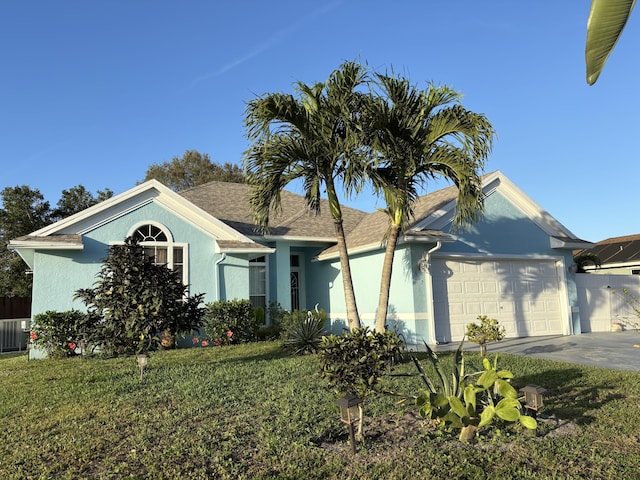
(93, 92)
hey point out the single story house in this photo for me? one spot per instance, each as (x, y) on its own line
(618, 256)
(513, 265)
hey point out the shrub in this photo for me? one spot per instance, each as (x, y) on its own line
(489, 330)
(302, 330)
(61, 334)
(230, 321)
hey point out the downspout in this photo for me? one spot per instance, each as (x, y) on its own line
(431, 326)
(217, 269)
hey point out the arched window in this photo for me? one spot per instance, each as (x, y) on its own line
(158, 243)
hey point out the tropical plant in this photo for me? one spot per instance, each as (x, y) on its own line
(354, 363)
(489, 330)
(134, 300)
(416, 136)
(230, 321)
(607, 19)
(315, 138)
(462, 404)
(302, 331)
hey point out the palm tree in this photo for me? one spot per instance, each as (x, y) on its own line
(607, 19)
(418, 135)
(584, 258)
(314, 137)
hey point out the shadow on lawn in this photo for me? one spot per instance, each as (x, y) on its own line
(567, 397)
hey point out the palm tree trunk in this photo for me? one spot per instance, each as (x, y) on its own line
(385, 279)
(349, 294)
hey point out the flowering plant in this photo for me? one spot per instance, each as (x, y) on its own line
(230, 322)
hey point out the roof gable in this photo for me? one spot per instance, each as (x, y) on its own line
(117, 206)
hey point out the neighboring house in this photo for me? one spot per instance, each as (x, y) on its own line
(618, 256)
(512, 265)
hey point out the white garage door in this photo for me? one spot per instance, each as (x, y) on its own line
(523, 295)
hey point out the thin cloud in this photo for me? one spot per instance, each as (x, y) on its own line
(271, 42)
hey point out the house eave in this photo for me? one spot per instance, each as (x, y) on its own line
(569, 243)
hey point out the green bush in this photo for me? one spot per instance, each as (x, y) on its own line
(61, 334)
(354, 363)
(230, 321)
(302, 331)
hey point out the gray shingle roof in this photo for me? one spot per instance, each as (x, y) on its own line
(373, 227)
(229, 202)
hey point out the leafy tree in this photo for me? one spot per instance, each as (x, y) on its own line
(314, 137)
(607, 19)
(418, 135)
(134, 300)
(193, 169)
(76, 199)
(23, 211)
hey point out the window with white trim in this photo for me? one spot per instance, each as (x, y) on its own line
(258, 282)
(158, 244)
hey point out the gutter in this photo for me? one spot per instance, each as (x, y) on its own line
(217, 268)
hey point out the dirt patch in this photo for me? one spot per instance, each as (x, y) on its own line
(407, 428)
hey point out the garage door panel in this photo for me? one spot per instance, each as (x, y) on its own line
(524, 296)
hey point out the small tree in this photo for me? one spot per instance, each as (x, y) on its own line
(489, 330)
(135, 300)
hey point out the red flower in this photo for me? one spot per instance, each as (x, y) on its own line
(205, 343)
(33, 335)
(217, 342)
(229, 333)
(72, 346)
(195, 340)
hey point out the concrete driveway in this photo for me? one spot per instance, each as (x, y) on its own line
(616, 350)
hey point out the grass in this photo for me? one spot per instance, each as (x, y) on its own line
(254, 411)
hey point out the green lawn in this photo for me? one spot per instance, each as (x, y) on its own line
(254, 411)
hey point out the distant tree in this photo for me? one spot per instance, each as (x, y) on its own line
(193, 169)
(77, 199)
(23, 211)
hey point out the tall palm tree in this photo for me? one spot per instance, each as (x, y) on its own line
(418, 135)
(314, 137)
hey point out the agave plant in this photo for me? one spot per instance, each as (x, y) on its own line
(304, 332)
(466, 405)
